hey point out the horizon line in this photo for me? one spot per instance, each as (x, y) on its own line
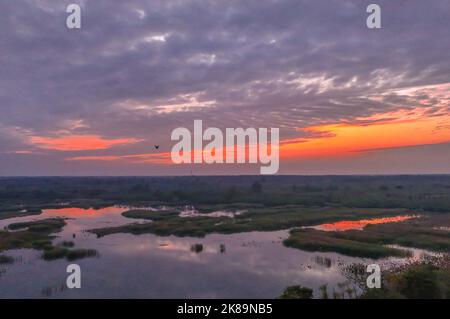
(237, 175)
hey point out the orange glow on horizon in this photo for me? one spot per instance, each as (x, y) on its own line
(346, 139)
(342, 139)
(426, 122)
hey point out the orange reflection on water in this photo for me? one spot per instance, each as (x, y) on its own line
(82, 212)
(360, 224)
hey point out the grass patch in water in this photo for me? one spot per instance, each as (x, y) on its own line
(67, 244)
(40, 226)
(6, 259)
(33, 235)
(316, 240)
(37, 235)
(59, 252)
(151, 215)
(166, 223)
(81, 253)
(54, 253)
(19, 213)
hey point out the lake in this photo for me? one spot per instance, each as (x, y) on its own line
(243, 265)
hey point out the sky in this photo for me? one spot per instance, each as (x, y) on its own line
(347, 99)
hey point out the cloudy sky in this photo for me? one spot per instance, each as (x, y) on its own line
(347, 99)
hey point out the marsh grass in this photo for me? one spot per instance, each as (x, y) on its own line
(18, 213)
(40, 226)
(67, 244)
(54, 253)
(371, 242)
(81, 253)
(428, 278)
(168, 223)
(35, 235)
(151, 215)
(316, 240)
(59, 252)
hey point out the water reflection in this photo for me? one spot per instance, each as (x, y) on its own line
(360, 224)
(323, 261)
(197, 248)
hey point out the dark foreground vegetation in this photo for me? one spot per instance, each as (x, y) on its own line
(297, 292)
(426, 278)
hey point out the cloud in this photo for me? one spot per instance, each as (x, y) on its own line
(141, 68)
(79, 142)
(20, 152)
(152, 158)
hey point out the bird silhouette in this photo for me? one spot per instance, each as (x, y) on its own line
(156, 146)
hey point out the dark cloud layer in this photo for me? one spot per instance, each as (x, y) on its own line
(137, 69)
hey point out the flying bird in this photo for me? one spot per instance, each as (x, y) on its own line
(156, 146)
